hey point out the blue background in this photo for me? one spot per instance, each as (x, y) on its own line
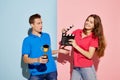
(14, 15)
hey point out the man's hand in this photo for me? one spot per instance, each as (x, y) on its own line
(42, 59)
(64, 51)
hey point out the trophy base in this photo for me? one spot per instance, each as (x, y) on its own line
(45, 56)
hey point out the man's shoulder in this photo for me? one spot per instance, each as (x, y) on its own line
(44, 33)
(27, 38)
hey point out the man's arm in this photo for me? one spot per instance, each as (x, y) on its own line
(28, 60)
(64, 51)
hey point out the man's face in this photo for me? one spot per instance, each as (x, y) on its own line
(37, 25)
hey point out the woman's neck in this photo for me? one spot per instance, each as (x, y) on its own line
(88, 32)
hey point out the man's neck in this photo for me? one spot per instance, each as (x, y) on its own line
(36, 33)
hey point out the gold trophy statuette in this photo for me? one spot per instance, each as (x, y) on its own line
(45, 49)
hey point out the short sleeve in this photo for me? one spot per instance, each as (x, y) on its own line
(94, 42)
(76, 31)
(26, 46)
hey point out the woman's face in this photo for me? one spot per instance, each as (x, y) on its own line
(89, 23)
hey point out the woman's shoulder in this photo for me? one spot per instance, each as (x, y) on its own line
(77, 31)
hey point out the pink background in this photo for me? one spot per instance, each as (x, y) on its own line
(75, 12)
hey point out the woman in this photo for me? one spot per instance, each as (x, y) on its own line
(87, 41)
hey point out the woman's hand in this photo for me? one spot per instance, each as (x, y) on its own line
(72, 42)
(64, 30)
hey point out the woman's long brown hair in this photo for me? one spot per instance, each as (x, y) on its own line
(98, 32)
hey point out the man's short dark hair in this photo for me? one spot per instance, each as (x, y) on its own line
(33, 17)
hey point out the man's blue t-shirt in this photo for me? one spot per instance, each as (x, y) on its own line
(33, 47)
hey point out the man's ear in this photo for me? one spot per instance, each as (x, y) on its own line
(32, 25)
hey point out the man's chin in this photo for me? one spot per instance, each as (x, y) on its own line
(40, 31)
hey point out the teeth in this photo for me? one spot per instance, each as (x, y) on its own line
(87, 25)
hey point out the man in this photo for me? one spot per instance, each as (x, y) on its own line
(41, 67)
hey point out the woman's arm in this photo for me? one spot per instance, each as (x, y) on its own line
(88, 54)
